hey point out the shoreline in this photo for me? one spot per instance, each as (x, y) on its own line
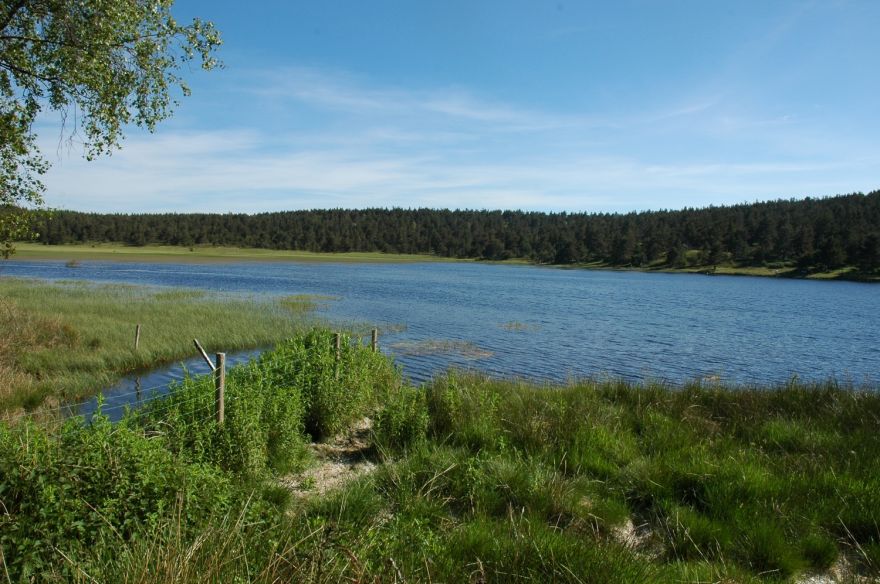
(220, 254)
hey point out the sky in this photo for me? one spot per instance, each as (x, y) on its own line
(503, 104)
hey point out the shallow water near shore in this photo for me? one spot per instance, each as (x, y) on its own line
(554, 325)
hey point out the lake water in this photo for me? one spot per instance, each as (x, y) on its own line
(552, 324)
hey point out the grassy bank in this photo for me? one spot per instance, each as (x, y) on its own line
(475, 480)
(70, 339)
(74, 253)
(200, 254)
(784, 270)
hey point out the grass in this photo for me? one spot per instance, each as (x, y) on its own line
(515, 326)
(491, 481)
(441, 347)
(75, 254)
(477, 480)
(67, 340)
(732, 269)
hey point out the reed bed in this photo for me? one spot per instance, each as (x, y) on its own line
(67, 340)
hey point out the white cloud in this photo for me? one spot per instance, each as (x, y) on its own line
(380, 146)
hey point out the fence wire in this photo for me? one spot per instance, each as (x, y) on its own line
(52, 419)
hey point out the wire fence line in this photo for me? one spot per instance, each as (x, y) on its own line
(72, 406)
(50, 416)
(55, 417)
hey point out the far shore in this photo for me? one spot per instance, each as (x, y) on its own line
(207, 254)
(203, 254)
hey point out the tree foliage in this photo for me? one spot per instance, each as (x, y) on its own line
(102, 64)
(823, 234)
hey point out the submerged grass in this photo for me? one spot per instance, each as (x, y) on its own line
(65, 340)
(441, 347)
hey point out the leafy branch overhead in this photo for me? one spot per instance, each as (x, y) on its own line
(102, 64)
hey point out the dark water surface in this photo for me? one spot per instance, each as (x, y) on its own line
(552, 324)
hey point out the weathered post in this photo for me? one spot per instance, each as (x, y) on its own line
(374, 341)
(137, 336)
(203, 354)
(220, 385)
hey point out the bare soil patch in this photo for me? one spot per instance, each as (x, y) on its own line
(339, 460)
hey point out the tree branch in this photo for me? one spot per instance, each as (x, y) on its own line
(25, 72)
(121, 44)
(8, 18)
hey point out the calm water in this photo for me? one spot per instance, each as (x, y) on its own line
(553, 324)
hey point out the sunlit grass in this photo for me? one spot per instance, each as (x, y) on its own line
(66, 340)
(78, 253)
(476, 479)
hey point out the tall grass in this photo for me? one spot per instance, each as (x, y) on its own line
(771, 480)
(67, 340)
(274, 404)
(481, 480)
(73, 496)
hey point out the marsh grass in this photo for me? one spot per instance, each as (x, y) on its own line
(68, 340)
(465, 349)
(301, 304)
(772, 481)
(121, 252)
(480, 480)
(515, 326)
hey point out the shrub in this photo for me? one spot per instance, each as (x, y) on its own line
(91, 485)
(334, 393)
(271, 402)
(402, 421)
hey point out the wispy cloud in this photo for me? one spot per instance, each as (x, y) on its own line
(448, 147)
(345, 93)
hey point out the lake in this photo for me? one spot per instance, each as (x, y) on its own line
(553, 324)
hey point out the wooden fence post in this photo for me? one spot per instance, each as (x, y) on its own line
(203, 354)
(220, 385)
(137, 336)
(374, 341)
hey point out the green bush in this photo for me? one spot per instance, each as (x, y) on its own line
(272, 402)
(334, 393)
(402, 421)
(91, 485)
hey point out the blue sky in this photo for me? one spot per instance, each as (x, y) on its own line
(553, 106)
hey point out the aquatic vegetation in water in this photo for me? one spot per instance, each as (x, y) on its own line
(303, 303)
(69, 340)
(183, 294)
(519, 327)
(363, 329)
(441, 347)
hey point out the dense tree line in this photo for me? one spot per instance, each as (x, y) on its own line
(814, 233)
